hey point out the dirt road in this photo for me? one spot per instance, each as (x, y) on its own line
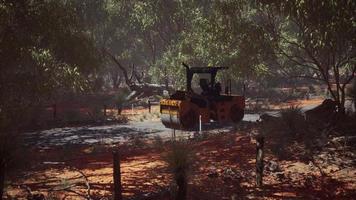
(112, 134)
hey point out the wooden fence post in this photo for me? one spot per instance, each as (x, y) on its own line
(117, 176)
(259, 159)
(105, 110)
(54, 107)
(149, 106)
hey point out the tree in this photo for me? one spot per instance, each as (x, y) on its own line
(44, 51)
(315, 40)
(157, 36)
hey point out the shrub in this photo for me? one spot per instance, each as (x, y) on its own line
(120, 99)
(285, 130)
(137, 141)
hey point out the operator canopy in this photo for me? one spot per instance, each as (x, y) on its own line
(202, 70)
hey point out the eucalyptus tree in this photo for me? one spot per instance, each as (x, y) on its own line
(316, 38)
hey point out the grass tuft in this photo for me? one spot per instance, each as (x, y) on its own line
(180, 160)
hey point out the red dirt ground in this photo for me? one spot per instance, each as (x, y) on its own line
(229, 158)
(144, 171)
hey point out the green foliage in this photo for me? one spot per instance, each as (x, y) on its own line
(314, 40)
(157, 36)
(257, 40)
(44, 51)
(214, 35)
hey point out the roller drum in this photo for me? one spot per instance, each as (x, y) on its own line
(178, 114)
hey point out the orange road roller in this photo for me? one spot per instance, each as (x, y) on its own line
(184, 109)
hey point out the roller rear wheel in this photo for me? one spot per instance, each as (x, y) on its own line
(189, 119)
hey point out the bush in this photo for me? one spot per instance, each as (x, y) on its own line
(285, 130)
(180, 160)
(137, 141)
(292, 120)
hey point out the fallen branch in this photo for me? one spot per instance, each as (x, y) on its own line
(62, 188)
(86, 182)
(69, 187)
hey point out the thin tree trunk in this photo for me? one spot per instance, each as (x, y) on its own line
(259, 160)
(343, 97)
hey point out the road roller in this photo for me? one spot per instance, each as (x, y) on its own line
(184, 110)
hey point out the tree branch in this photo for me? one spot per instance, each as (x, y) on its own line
(124, 71)
(307, 77)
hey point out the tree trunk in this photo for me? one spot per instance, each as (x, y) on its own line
(119, 109)
(2, 181)
(339, 97)
(340, 102)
